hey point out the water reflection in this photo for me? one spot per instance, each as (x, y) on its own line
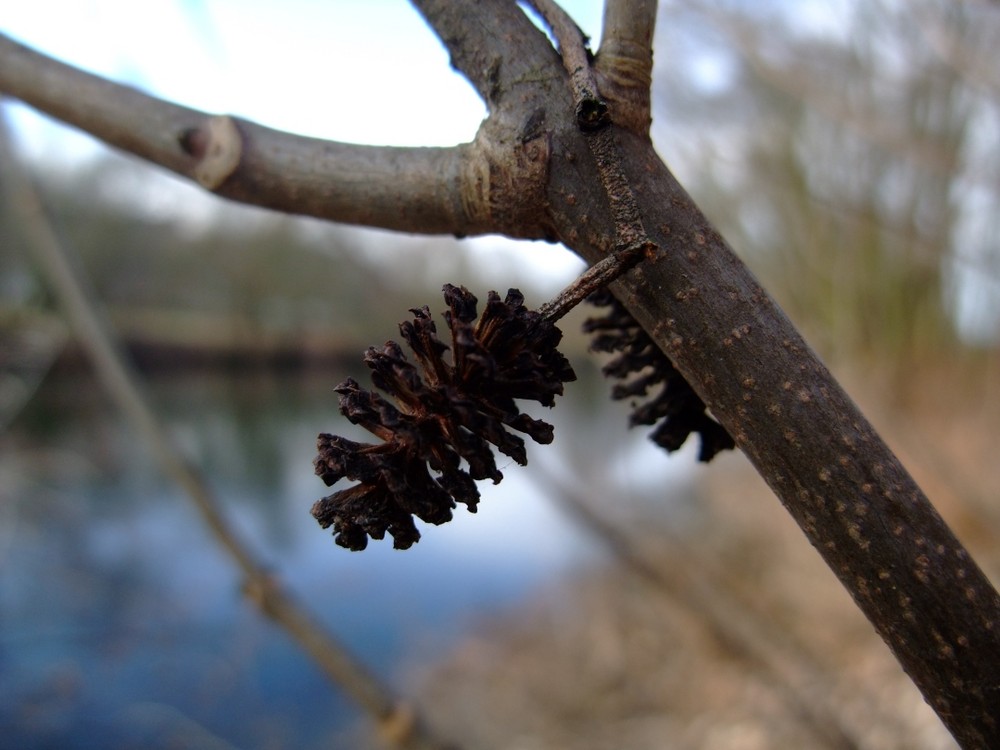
(122, 624)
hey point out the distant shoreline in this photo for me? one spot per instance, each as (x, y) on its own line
(163, 356)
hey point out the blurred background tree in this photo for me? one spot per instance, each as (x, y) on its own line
(847, 153)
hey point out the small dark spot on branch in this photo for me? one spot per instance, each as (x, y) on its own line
(194, 142)
(534, 126)
(592, 114)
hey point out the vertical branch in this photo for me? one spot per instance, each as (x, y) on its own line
(624, 63)
(594, 120)
(397, 720)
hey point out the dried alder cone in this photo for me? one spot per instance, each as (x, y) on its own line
(677, 407)
(446, 411)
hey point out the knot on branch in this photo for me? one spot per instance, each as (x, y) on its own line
(677, 408)
(448, 411)
(217, 145)
(592, 113)
(503, 182)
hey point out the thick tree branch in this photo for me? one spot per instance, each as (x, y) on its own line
(460, 190)
(856, 503)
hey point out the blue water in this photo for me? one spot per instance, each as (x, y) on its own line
(122, 623)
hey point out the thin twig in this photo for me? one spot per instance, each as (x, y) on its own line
(591, 110)
(397, 719)
(596, 277)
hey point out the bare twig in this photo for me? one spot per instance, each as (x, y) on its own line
(591, 110)
(594, 120)
(397, 719)
(596, 277)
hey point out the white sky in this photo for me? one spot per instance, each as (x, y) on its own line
(340, 69)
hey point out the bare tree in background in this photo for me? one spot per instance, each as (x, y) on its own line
(565, 155)
(874, 143)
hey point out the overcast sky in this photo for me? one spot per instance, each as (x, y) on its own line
(340, 69)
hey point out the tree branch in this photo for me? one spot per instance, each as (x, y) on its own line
(848, 492)
(458, 190)
(591, 110)
(855, 502)
(497, 48)
(624, 63)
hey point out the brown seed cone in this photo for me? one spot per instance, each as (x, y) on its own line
(677, 408)
(449, 411)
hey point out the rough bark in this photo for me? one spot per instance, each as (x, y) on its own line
(850, 495)
(536, 176)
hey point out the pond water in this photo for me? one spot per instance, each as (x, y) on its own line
(122, 623)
